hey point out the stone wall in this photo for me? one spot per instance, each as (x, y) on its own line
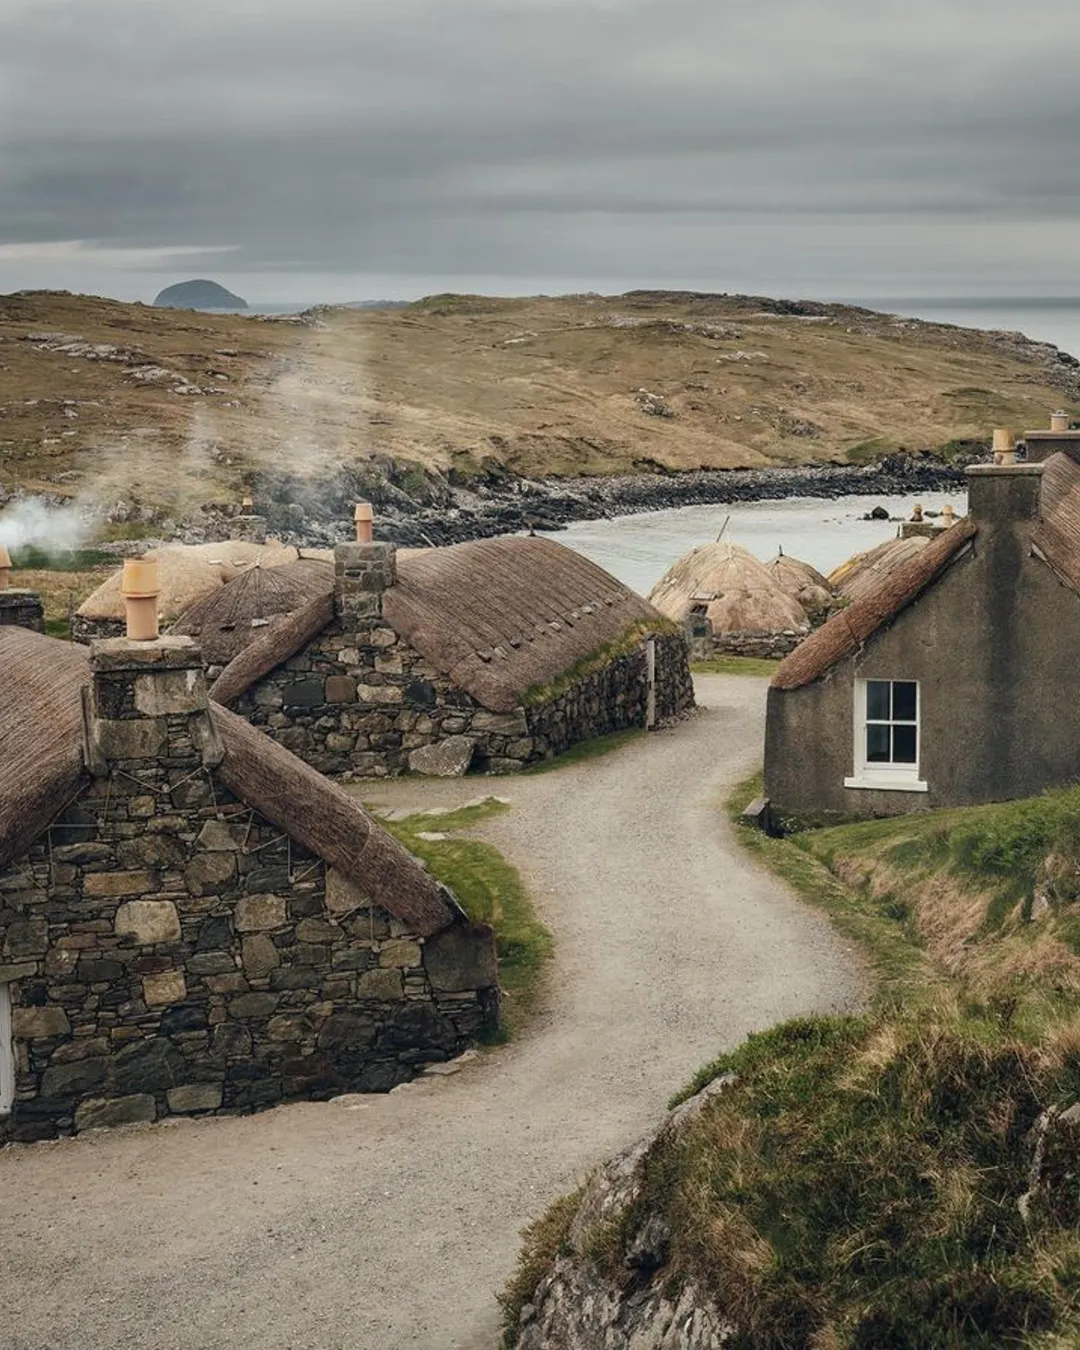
(169, 951)
(765, 646)
(22, 609)
(88, 630)
(359, 699)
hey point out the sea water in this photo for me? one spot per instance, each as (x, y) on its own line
(639, 549)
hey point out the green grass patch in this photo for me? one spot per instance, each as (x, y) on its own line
(543, 1241)
(869, 452)
(61, 560)
(490, 891)
(595, 748)
(539, 694)
(754, 666)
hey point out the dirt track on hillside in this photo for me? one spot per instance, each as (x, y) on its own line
(387, 1222)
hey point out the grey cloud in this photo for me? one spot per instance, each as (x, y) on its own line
(536, 137)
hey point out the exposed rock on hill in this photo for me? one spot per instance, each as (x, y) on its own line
(198, 294)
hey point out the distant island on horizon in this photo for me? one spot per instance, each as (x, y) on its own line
(198, 294)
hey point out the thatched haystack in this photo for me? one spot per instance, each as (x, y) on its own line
(228, 618)
(724, 587)
(804, 583)
(188, 572)
(865, 572)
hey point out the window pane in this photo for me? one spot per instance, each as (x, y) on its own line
(903, 744)
(877, 745)
(877, 700)
(903, 700)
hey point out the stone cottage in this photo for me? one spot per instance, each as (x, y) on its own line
(192, 920)
(490, 655)
(954, 681)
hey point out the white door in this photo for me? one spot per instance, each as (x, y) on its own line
(7, 1053)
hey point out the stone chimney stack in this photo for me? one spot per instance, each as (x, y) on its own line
(148, 711)
(1060, 438)
(18, 608)
(363, 572)
(1003, 494)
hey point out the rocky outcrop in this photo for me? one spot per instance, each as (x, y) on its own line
(198, 294)
(631, 1305)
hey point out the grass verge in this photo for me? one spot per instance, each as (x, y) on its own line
(585, 750)
(735, 665)
(490, 891)
(904, 1179)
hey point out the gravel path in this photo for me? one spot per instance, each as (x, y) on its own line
(386, 1222)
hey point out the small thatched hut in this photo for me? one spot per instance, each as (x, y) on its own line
(865, 572)
(226, 619)
(729, 602)
(186, 573)
(804, 583)
(492, 655)
(194, 920)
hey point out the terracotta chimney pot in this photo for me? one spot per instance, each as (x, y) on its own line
(247, 505)
(948, 515)
(139, 586)
(5, 568)
(364, 517)
(1004, 446)
(1059, 421)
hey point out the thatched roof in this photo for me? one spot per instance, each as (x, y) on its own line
(496, 616)
(847, 631)
(728, 586)
(801, 581)
(41, 772)
(41, 762)
(864, 572)
(187, 572)
(226, 620)
(275, 644)
(1057, 536)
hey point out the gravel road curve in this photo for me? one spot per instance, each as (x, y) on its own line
(383, 1222)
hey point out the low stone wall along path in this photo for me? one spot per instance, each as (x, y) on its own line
(385, 1222)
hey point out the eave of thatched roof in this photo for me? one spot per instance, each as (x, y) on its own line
(273, 646)
(846, 632)
(1056, 538)
(42, 772)
(41, 762)
(501, 616)
(322, 817)
(229, 618)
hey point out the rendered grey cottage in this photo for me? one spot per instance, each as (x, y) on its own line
(192, 919)
(491, 655)
(952, 683)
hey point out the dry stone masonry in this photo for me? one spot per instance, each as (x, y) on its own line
(171, 951)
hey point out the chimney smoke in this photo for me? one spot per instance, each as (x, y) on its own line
(364, 518)
(5, 568)
(139, 587)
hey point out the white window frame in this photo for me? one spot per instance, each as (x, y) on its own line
(7, 1053)
(885, 777)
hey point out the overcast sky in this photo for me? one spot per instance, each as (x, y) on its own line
(343, 149)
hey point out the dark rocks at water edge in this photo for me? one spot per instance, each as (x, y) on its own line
(430, 508)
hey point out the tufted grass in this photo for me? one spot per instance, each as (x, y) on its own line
(758, 667)
(490, 891)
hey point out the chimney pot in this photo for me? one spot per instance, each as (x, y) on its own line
(1059, 421)
(139, 586)
(1004, 446)
(247, 505)
(5, 568)
(364, 517)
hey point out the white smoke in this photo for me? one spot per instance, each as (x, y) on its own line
(53, 529)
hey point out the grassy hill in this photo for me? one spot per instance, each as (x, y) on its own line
(175, 407)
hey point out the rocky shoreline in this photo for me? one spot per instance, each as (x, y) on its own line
(438, 510)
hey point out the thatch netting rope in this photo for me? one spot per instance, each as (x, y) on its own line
(844, 634)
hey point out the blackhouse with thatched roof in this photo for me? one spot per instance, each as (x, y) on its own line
(192, 920)
(951, 681)
(727, 601)
(490, 655)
